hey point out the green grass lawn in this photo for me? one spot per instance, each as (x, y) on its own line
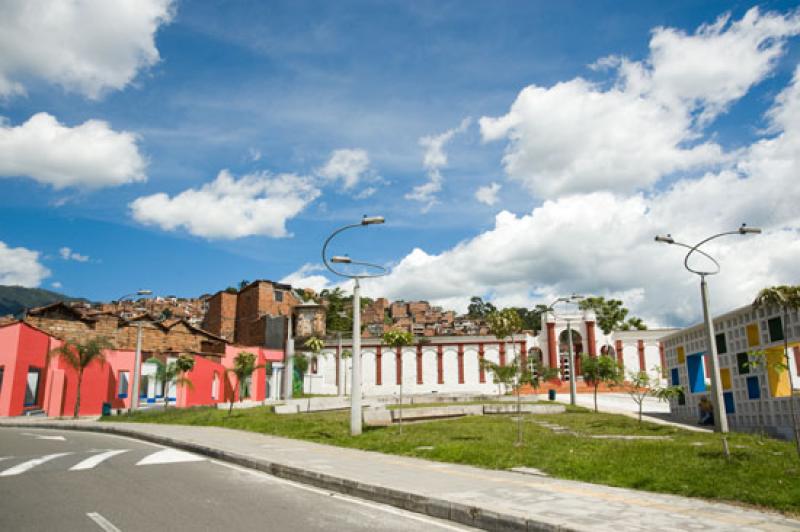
(762, 471)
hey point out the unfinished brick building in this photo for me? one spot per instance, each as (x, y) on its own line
(67, 323)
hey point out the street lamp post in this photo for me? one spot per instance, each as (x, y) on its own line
(355, 384)
(571, 352)
(720, 417)
(137, 360)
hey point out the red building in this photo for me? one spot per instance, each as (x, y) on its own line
(31, 380)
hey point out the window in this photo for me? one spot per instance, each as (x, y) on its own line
(32, 386)
(722, 346)
(122, 389)
(730, 406)
(215, 387)
(742, 362)
(694, 364)
(2, 370)
(775, 329)
(279, 296)
(753, 388)
(676, 381)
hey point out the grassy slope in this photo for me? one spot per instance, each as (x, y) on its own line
(15, 299)
(762, 471)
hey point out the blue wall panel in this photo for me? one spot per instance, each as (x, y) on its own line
(697, 379)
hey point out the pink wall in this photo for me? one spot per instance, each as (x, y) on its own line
(23, 347)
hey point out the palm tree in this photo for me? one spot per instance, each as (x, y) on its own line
(78, 356)
(243, 366)
(173, 371)
(503, 324)
(398, 339)
(785, 298)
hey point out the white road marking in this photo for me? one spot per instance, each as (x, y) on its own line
(42, 437)
(102, 522)
(169, 456)
(93, 461)
(30, 464)
(347, 498)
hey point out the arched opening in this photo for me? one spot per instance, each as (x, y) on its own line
(563, 350)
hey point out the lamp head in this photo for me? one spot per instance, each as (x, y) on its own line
(576, 297)
(341, 259)
(667, 239)
(372, 220)
(743, 230)
(144, 292)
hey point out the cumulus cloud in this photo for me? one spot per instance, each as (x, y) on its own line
(20, 266)
(256, 204)
(600, 240)
(434, 159)
(68, 254)
(578, 136)
(88, 47)
(307, 277)
(90, 155)
(488, 194)
(347, 165)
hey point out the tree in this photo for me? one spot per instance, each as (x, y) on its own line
(231, 290)
(173, 371)
(399, 338)
(785, 298)
(478, 308)
(337, 318)
(243, 367)
(243, 283)
(503, 324)
(633, 323)
(314, 345)
(611, 314)
(78, 356)
(501, 375)
(599, 370)
(537, 374)
(641, 386)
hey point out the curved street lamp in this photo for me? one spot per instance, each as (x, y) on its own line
(571, 352)
(355, 378)
(137, 359)
(720, 419)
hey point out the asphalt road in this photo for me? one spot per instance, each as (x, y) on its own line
(65, 481)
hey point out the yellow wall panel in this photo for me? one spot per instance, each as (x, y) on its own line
(752, 335)
(681, 354)
(778, 379)
(725, 375)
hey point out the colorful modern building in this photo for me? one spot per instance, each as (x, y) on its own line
(750, 344)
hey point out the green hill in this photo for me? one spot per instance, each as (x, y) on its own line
(15, 299)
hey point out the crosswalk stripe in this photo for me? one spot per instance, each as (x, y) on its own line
(93, 461)
(30, 464)
(169, 456)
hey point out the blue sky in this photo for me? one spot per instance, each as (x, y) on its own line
(307, 105)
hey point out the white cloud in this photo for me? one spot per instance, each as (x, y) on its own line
(488, 194)
(306, 277)
(255, 204)
(602, 242)
(88, 47)
(433, 160)
(20, 266)
(68, 254)
(254, 155)
(577, 136)
(56, 284)
(347, 165)
(91, 155)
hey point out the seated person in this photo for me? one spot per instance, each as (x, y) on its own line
(706, 411)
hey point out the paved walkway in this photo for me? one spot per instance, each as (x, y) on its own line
(495, 500)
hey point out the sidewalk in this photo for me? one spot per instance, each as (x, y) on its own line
(494, 500)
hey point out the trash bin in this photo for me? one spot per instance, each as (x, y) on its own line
(551, 394)
(106, 409)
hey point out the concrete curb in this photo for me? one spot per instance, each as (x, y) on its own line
(439, 508)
